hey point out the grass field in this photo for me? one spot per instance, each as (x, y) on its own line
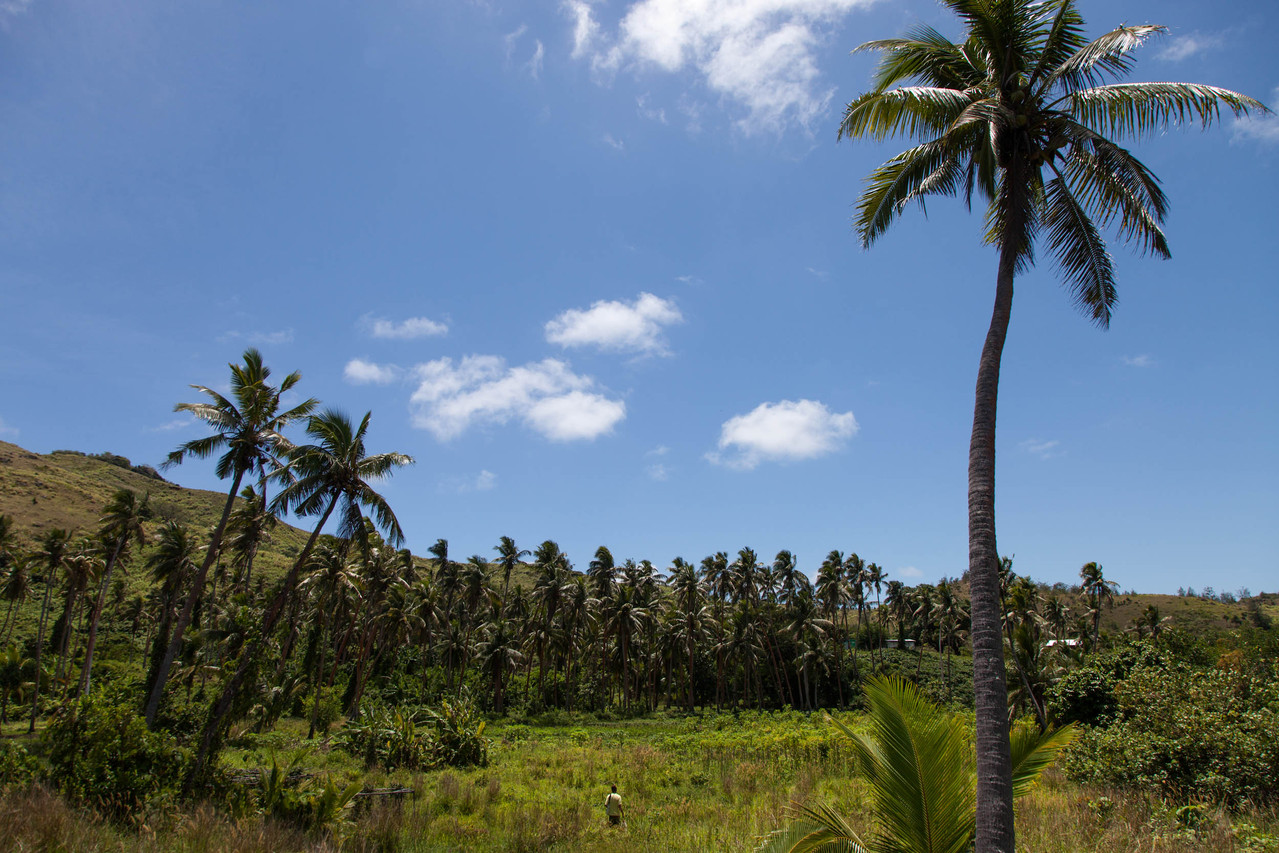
(719, 782)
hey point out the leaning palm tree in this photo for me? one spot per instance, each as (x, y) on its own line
(121, 527)
(1022, 112)
(333, 474)
(52, 552)
(918, 765)
(248, 428)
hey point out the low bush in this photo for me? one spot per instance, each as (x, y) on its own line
(18, 768)
(1202, 734)
(102, 755)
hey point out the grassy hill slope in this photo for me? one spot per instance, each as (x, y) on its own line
(66, 489)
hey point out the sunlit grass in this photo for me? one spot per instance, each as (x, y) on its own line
(702, 783)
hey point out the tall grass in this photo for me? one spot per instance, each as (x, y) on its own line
(694, 784)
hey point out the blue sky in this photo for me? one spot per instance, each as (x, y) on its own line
(592, 265)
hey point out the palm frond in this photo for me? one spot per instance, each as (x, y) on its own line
(1109, 182)
(909, 110)
(1105, 56)
(1142, 109)
(1081, 253)
(1034, 752)
(924, 55)
(1063, 37)
(898, 182)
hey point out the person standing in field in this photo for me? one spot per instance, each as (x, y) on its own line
(613, 807)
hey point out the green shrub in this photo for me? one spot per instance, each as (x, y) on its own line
(1207, 735)
(17, 768)
(418, 739)
(1086, 694)
(102, 755)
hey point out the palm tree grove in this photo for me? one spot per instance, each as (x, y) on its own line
(295, 659)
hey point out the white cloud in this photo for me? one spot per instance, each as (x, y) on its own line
(689, 279)
(758, 54)
(534, 65)
(659, 472)
(176, 423)
(613, 142)
(617, 326)
(480, 389)
(1143, 360)
(485, 481)
(657, 114)
(407, 330)
(1042, 449)
(910, 572)
(511, 38)
(361, 372)
(12, 9)
(585, 29)
(660, 450)
(1184, 47)
(785, 431)
(1262, 128)
(6, 430)
(284, 336)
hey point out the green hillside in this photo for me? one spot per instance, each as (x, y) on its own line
(68, 489)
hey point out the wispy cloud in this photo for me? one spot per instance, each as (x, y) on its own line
(659, 472)
(1143, 360)
(657, 114)
(613, 142)
(757, 54)
(405, 330)
(1042, 449)
(534, 64)
(361, 372)
(175, 424)
(283, 336)
(1183, 47)
(782, 432)
(689, 279)
(909, 572)
(485, 481)
(617, 326)
(7, 431)
(10, 9)
(1262, 128)
(547, 396)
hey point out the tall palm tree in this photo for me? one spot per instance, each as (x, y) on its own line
(16, 588)
(918, 767)
(332, 474)
(248, 429)
(508, 557)
(52, 552)
(250, 525)
(120, 527)
(1098, 591)
(1021, 111)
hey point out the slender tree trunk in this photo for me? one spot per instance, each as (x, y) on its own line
(188, 608)
(218, 713)
(994, 817)
(91, 643)
(44, 613)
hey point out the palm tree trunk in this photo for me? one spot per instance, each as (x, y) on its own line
(994, 817)
(218, 713)
(35, 694)
(188, 608)
(93, 620)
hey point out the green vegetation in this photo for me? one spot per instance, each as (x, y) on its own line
(1022, 114)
